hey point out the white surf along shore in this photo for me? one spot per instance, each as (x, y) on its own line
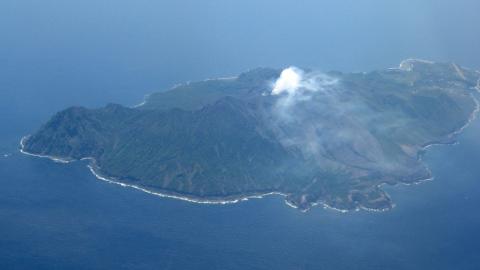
(238, 199)
(95, 170)
(99, 176)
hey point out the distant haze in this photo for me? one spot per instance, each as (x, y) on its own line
(90, 52)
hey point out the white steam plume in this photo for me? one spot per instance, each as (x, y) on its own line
(289, 81)
(298, 85)
(295, 85)
(328, 123)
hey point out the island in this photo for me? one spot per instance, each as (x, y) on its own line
(327, 138)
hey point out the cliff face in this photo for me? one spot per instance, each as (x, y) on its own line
(333, 141)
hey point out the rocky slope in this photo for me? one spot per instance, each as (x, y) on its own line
(330, 138)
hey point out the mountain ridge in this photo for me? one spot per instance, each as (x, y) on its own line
(221, 140)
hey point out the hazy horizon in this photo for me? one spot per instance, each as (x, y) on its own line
(55, 54)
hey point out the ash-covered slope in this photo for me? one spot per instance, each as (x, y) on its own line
(328, 138)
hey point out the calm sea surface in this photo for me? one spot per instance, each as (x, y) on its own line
(54, 54)
(55, 216)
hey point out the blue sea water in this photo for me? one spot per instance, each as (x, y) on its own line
(56, 216)
(55, 54)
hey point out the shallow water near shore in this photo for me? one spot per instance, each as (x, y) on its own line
(55, 54)
(57, 216)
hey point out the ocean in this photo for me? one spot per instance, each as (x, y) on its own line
(55, 54)
(59, 216)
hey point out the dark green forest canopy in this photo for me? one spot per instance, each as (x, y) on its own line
(335, 142)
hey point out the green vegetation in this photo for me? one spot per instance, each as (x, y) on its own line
(225, 138)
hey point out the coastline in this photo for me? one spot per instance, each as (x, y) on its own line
(95, 170)
(99, 176)
(425, 147)
(236, 199)
(55, 159)
(191, 199)
(146, 96)
(233, 200)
